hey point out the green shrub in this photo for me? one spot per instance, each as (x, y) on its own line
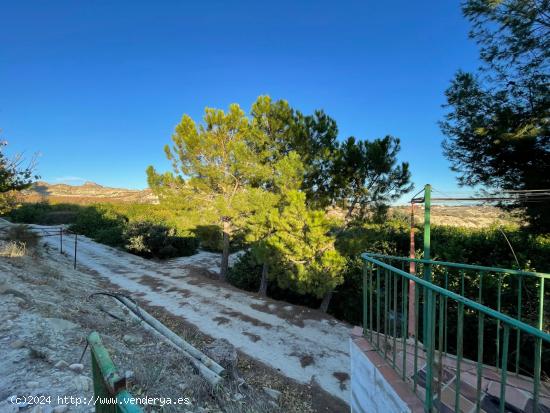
(30, 213)
(210, 237)
(245, 273)
(153, 240)
(59, 217)
(100, 224)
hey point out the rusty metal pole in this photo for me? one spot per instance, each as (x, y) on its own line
(412, 271)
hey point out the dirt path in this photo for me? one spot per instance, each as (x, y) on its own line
(301, 343)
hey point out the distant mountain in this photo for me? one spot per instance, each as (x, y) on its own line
(87, 193)
(91, 192)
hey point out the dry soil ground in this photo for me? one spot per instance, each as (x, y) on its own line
(47, 315)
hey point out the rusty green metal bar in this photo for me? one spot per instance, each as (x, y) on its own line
(366, 301)
(480, 330)
(499, 288)
(541, 305)
(459, 347)
(427, 248)
(378, 307)
(108, 383)
(440, 364)
(429, 342)
(460, 266)
(370, 303)
(526, 328)
(504, 372)
(536, 374)
(394, 319)
(387, 286)
(446, 310)
(438, 311)
(404, 324)
(416, 310)
(518, 332)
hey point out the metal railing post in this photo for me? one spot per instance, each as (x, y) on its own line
(108, 384)
(427, 252)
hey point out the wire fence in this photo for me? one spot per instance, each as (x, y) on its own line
(49, 232)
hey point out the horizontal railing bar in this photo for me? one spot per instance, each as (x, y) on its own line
(458, 298)
(463, 266)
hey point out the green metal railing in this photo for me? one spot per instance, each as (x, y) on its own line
(110, 394)
(483, 304)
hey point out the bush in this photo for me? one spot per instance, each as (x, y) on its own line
(153, 240)
(210, 237)
(20, 239)
(58, 217)
(245, 273)
(100, 224)
(30, 213)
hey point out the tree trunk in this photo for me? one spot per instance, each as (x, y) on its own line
(225, 249)
(326, 301)
(263, 282)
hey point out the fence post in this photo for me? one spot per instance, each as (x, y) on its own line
(75, 244)
(427, 253)
(412, 271)
(108, 384)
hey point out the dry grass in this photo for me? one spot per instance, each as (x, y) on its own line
(18, 241)
(23, 234)
(13, 249)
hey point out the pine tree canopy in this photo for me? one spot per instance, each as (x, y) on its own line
(497, 127)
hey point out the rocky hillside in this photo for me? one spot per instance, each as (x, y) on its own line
(87, 193)
(90, 192)
(480, 216)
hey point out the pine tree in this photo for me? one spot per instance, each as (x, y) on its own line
(497, 127)
(302, 242)
(215, 167)
(265, 209)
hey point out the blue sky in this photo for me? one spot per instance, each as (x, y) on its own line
(97, 86)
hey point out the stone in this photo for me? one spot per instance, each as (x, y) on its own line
(132, 339)
(59, 324)
(82, 383)
(61, 364)
(62, 408)
(76, 367)
(129, 375)
(17, 344)
(274, 394)
(223, 353)
(238, 396)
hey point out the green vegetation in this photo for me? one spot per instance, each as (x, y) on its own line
(146, 230)
(270, 177)
(497, 126)
(13, 178)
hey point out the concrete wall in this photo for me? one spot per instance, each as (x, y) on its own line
(371, 390)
